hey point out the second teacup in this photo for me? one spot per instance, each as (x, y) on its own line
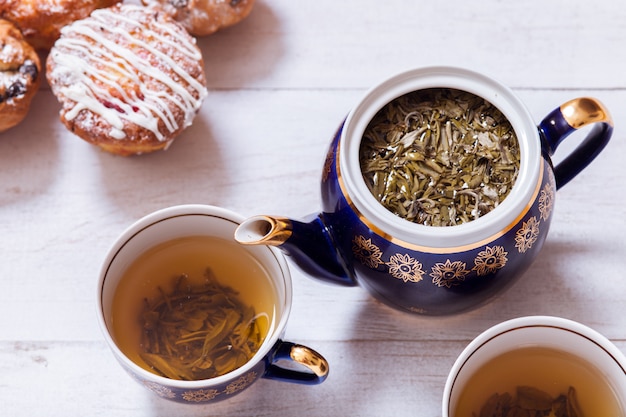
(537, 365)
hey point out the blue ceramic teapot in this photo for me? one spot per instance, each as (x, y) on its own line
(426, 269)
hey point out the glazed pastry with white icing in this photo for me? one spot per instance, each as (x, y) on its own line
(129, 79)
(204, 17)
(19, 75)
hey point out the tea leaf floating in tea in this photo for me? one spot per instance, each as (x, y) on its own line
(531, 402)
(199, 332)
(439, 157)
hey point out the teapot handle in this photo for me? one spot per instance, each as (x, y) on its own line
(568, 118)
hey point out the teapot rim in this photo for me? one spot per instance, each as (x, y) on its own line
(445, 238)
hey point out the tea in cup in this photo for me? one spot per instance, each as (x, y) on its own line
(537, 365)
(194, 316)
(437, 191)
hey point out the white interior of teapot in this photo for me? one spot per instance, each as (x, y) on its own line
(486, 226)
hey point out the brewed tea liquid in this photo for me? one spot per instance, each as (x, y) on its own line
(549, 370)
(159, 267)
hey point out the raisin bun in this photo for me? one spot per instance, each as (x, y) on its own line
(129, 79)
(19, 75)
(41, 20)
(203, 17)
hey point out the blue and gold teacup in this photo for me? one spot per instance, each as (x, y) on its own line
(427, 269)
(117, 304)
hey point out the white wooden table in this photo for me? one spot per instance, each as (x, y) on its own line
(280, 83)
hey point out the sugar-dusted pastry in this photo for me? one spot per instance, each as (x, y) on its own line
(203, 17)
(41, 20)
(129, 79)
(19, 75)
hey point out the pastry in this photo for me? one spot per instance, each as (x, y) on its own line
(129, 79)
(203, 17)
(19, 75)
(42, 20)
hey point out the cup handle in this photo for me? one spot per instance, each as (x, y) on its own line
(568, 118)
(292, 353)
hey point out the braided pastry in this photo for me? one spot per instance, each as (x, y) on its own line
(41, 20)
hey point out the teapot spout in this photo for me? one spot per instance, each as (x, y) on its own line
(309, 245)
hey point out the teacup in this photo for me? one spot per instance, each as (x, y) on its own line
(120, 279)
(427, 269)
(537, 361)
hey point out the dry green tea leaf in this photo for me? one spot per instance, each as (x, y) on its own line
(439, 157)
(199, 332)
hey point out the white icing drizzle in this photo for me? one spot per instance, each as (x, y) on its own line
(108, 62)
